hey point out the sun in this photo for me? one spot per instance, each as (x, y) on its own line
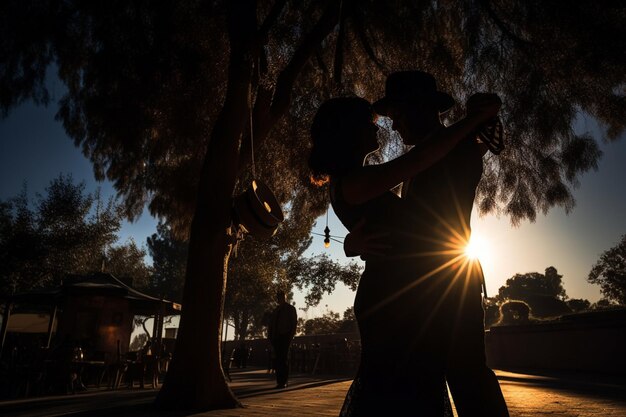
(477, 248)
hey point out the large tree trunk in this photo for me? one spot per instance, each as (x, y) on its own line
(195, 380)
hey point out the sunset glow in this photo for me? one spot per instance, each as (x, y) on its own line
(477, 248)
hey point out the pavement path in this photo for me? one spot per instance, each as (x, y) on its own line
(526, 395)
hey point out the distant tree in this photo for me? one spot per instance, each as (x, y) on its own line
(259, 270)
(159, 95)
(348, 322)
(319, 275)
(255, 275)
(300, 326)
(127, 263)
(610, 273)
(169, 258)
(76, 228)
(514, 312)
(578, 304)
(603, 304)
(21, 247)
(328, 323)
(544, 293)
(64, 231)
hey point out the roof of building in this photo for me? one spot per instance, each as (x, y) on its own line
(98, 283)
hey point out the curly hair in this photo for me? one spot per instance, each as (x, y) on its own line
(333, 135)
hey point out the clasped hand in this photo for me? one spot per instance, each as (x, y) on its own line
(364, 242)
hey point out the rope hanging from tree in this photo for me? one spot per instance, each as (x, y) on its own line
(256, 211)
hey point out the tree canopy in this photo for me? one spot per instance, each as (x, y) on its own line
(169, 255)
(160, 94)
(543, 293)
(146, 82)
(64, 231)
(126, 262)
(610, 273)
(329, 323)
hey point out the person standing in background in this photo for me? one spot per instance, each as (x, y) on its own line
(282, 329)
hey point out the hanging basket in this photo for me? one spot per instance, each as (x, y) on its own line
(257, 211)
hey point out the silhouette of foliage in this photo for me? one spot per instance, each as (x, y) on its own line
(578, 304)
(127, 263)
(544, 293)
(514, 312)
(142, 95)
(610, 273)
(65, 231)
(169, 257)
(259, 270)
(604, 304)
(328, 323)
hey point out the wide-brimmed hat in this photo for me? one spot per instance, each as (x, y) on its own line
(258, 211)
(412, 87)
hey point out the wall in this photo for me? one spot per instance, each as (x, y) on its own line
(588, 342)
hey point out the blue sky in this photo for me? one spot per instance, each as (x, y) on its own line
(34, 149)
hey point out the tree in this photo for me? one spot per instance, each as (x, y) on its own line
(514, 312)
(65, 231)
(75, 227)
(127, 262)
(348, 322)
(169, 255)
(544, 293)
(610, 273)
(603, 304)
(319, 275)
(21, 248)
(326, 324)
(159, 97)
(578, 304)
(330, 323)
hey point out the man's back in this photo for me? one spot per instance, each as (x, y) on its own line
(284, 320)
(441, 198)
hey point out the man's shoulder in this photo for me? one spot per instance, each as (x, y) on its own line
(285, 306)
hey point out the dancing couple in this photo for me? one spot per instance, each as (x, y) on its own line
(419, 302)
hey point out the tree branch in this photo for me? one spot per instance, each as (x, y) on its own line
(367, 47)
(270, 20)
(338, 63)
(287, 78)
(523, 44)
(270, 106)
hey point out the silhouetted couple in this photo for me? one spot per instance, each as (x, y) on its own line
(419, 302)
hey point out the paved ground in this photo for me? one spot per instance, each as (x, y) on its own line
(527, 395)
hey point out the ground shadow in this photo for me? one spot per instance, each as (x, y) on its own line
(583, 384)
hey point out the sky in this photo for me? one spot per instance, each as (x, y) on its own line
(34, 149)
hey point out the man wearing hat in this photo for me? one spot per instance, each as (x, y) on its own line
(441, 298)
